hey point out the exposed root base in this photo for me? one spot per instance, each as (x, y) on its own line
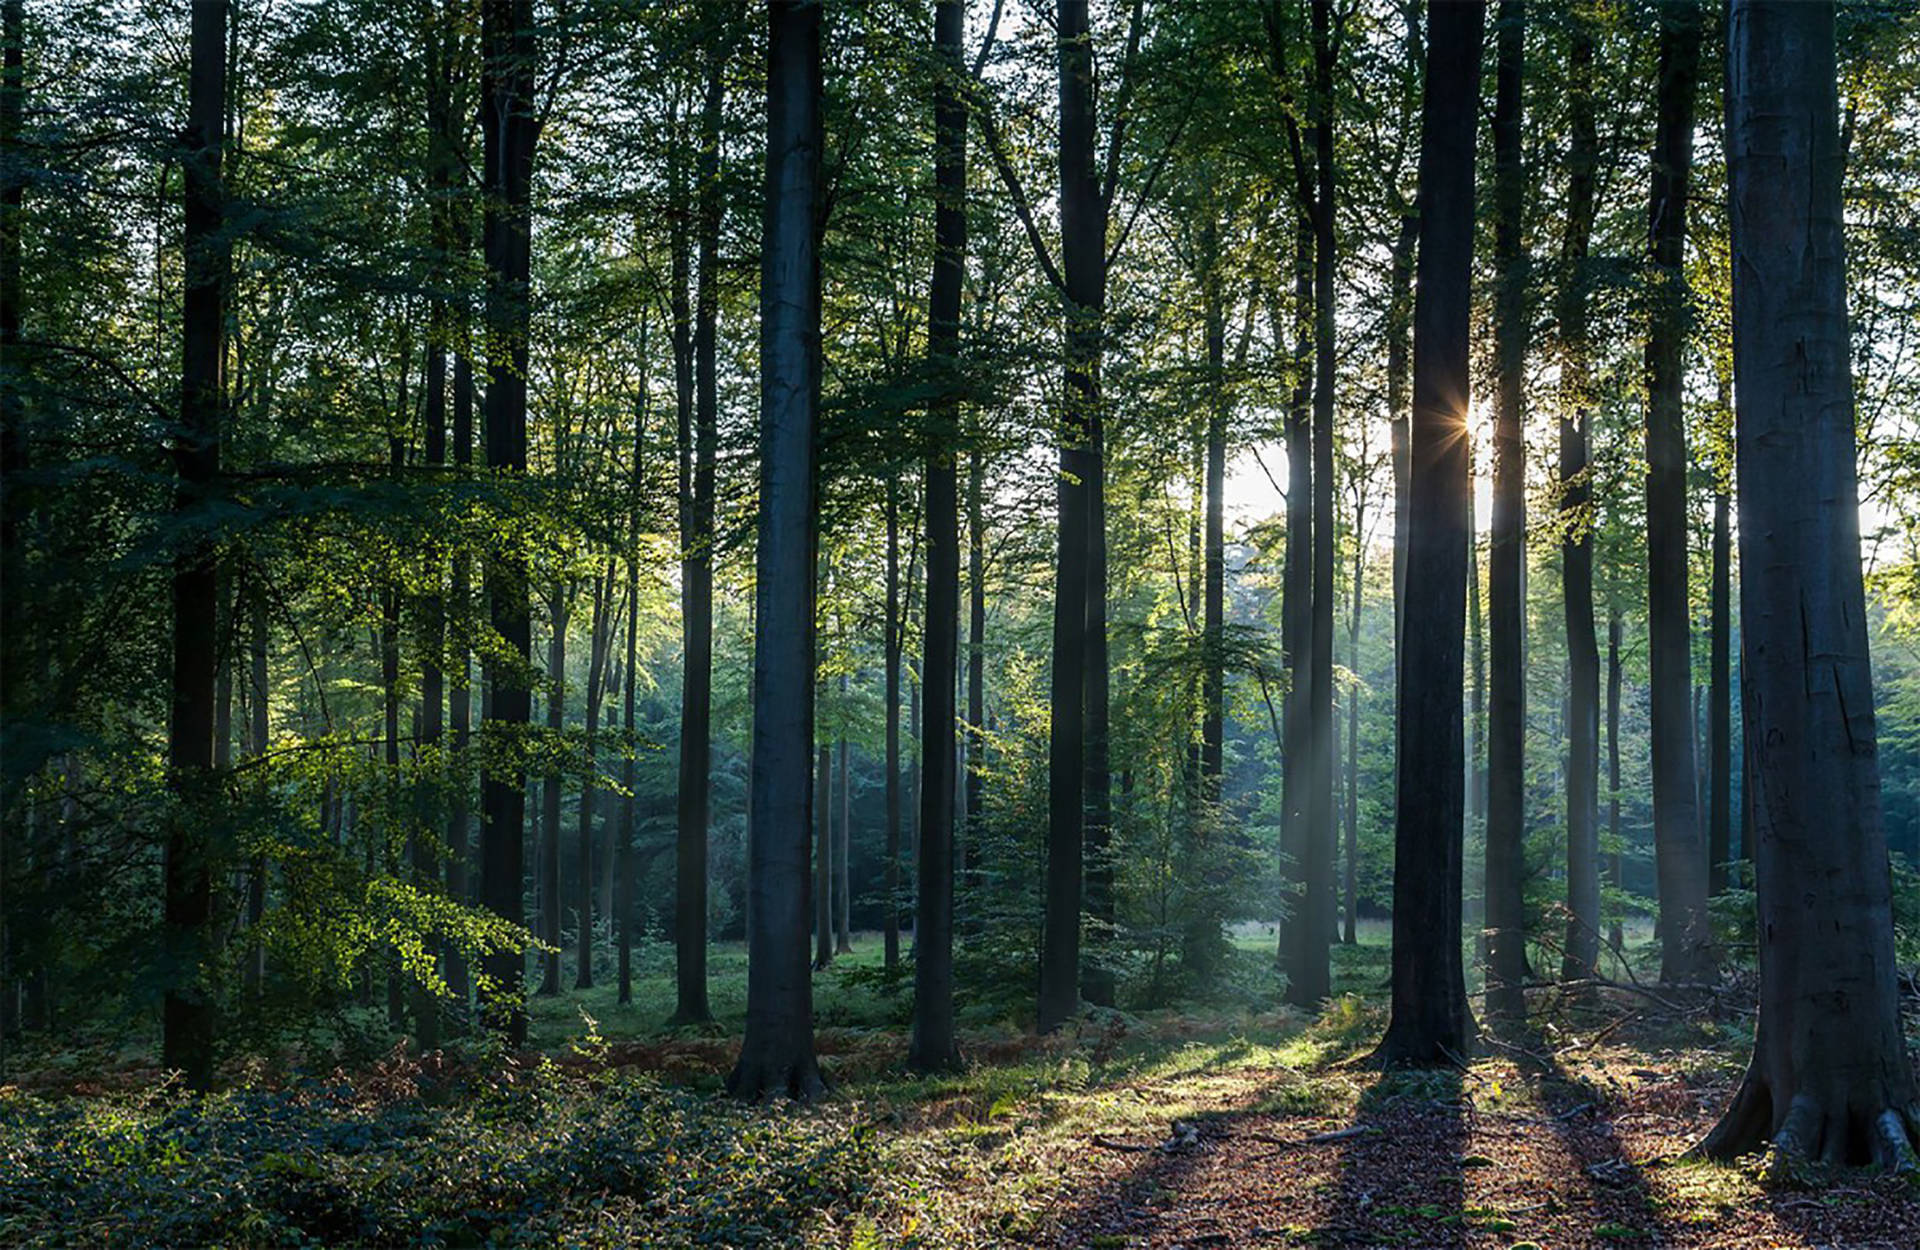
(762, 1081)
(1814, 1133)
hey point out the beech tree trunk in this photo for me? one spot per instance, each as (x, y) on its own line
(893, 631)
(1310, 977)
(1830, 1079)
(559, 611)
(1506, 551)
(1581, 947)
(699, 455)
(1720, 698)
(1069, 756)
(933, 1046)
(510, 129)
(843, 847)
(188, 1010)
(1430, 1022)
(1616, 866)
(600, 640)
(823, 857)
(1686, 950)
(777, 1053)
(460, 699)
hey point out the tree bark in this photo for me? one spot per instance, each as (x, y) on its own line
(559, 614)
(1616, 867)
(1686, 953)
(823, 857)
(893, 640)
(777, 1053)
(1430, 1022)
(599, 642)
(1070, 755)
(460, 698)
(1581, 948)
(510, 130)
(1506, 552)
(1720, 698)
(934, 1046)
(699, 453)
(188, 1012)
(843, 846)
(1830, 1078)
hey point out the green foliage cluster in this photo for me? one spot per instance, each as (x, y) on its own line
(500, 1157)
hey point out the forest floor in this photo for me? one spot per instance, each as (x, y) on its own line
(1253, 1126)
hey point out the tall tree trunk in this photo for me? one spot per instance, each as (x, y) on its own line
(1310, 979)
(934, 1046)
(1399, 363)
(1686, 952)
(1430, 1022)
(426, 1004)
(510, 129)
(1720, 698)
(843, 846)
(1506, 553)
(893, 632)
(699, 456)
(599, 642)
(1830, 1077)
(188, 1012)
(1070, 754)
(623, 853)
(1296, 604)
(777, 1054)
(1616, 865)
(1349, 934)
(460, 695)
(258, 729)
(823, 856)
(1581, 948)
(976, 662)
(13, 458)
(559, 613)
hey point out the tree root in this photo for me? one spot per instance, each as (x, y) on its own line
(1815, 1132)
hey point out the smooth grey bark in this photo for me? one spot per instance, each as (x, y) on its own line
(699, 441)
(187, 1014)
(777, 1053)
(1720, 697)
(891, 932)
(1680, 854)
(976, 662)
(600, 640)
(823, 856)
(1506, 549)
(1830, 1079)
(1083, 263)
(933, 1046)
(1296, 604)
(559, 615)
(1581, 944)
(1616, 875)
(510, 129)
(1430, 1022)
(623, 848)
(1310, 976)
(1350, 884)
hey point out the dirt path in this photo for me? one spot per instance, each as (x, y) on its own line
(1428, 1163)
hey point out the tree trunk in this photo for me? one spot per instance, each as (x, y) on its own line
(510, 129)
(460, 699)
(1311, 977)
(1070, 755)
(843, 847)
(1830, 1079)
(1616, 867)
(559, 613)
(1581, 950)
(1430, 1022)
(934, 1047)
(1720, 699)
(777, 1053)
(1350, 933)
(976, 664)
(1686, 954)
(893, 632)
(1296, 607)
(1506, 552)
(699, 452)
(188, 1012)
(258, 727)
(598, 644)
(823, 857)
(426, 1005)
